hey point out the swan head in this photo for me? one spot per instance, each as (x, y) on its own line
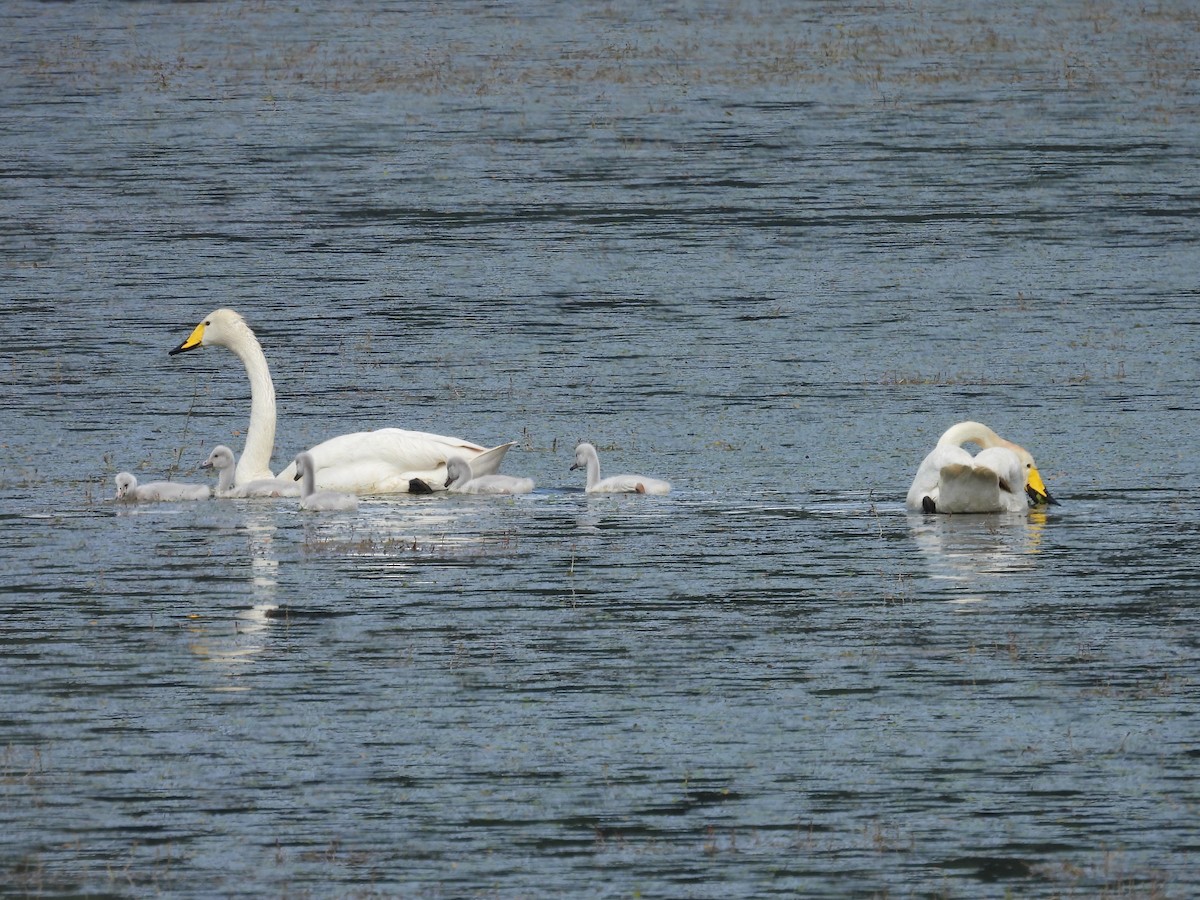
(126, 484)
(582, 453)
(221, 327)
(1035, 488)
(220, 458)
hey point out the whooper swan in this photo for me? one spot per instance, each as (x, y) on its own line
(383, 461)
(1002, 477)
(586, 457)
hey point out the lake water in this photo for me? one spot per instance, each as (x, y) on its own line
(769, 251)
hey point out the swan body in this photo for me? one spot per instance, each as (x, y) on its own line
(130, 491)
(222, 460)
(586, 457)
(461, 480)
(319, 501)
(388, 460)
(383, 461)
(1002, 477)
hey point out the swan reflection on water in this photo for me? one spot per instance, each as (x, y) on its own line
(232, 646)
(972, 550)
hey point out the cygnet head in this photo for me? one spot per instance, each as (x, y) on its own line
(222, 327)
(126, 485)
(458, 471)
(306, 473)
(583, 452)
(220, 459)
(304, 463)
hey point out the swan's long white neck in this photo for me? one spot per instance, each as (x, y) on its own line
(593, 470)
(255, 461)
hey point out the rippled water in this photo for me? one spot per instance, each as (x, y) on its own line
(768, 251)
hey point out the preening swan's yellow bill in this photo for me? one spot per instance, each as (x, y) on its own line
(192, 342)
(1036, 489)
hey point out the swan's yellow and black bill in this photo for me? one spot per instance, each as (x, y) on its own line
(193, 341)
(1035, 488)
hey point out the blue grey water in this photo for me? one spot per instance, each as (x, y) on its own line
(767, 250)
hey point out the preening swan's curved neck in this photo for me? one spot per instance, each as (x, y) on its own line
(971, 433)
(255, 461)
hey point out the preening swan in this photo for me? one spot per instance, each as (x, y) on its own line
(1002, 477)
(585, 456)
(319, 501)
(130, 491)
(222, 460)
(383, 461)
(461, 480)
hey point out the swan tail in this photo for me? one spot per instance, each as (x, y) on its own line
(488, 462)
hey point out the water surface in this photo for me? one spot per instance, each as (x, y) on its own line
(768, 252)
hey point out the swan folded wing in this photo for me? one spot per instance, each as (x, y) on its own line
(991, 482)
(488, 461)
(1010, 477)
(968, 489)
(927, 482)
(393, 448)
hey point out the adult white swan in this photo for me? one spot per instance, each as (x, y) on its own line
(385, 461)
(586, 457)
(461, 480)
(1002, 477)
